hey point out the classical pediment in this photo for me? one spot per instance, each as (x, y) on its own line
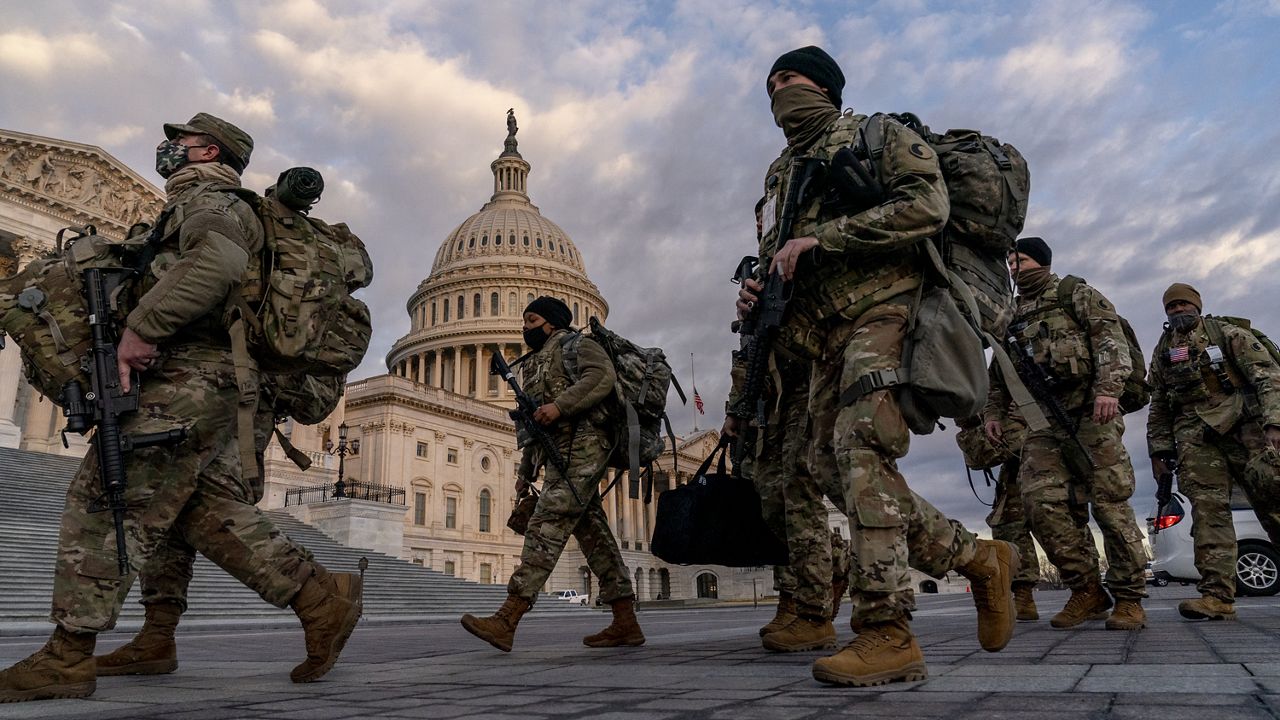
(77, 184)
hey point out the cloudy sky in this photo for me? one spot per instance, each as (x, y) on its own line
(1150, 130)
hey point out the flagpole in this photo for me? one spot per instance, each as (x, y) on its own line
(693, 375)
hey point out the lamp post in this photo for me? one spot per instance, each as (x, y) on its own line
(342, 449)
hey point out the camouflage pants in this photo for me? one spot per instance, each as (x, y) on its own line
(891, 528)
(192, 491)
(1207, 465)
(1045, 479)
(792, 500)
(167, 575)
(1008, 522)
(558, 515)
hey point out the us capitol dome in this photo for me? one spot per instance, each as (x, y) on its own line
(484, 274)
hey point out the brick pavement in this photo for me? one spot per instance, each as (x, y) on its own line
(707, 663)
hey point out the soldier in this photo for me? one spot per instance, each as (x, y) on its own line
(1007, 519)
(175, 338)
(791, 501)
(1088, 362)
(855, 272)
(165, 579)
(1215, 408)
(573, 411)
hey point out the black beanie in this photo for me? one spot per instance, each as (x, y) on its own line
(552, 310)
(814, 63)
(1036, 249)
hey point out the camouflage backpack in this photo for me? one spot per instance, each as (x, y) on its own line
(1137, 391)
(297, 302)
(989, 184)
(640, 397)
(43, 307)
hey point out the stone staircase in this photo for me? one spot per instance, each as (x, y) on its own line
(32, 493)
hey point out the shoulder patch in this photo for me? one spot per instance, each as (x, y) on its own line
(1257, 347)
(921, 151)
(1102, 303)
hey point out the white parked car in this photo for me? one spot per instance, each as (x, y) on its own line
(1257, 563)
(573, 596)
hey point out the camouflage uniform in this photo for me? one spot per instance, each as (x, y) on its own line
(1088, 362)
(167, 575)
(584, 438)
(1215, 427)
(849, 313)
(192, 493)
(791, 498)
(1008, 522)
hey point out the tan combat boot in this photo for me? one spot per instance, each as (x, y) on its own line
(1127, 615)
(806, 632)
(882, 653)
(329, 605)
(63, 668)
(152, 651)
(624, 630)
(499, 629)
(786, 613)
(838, 589)
(1090, 602)
(990, 574)
(1208, 607)
(1025, 603)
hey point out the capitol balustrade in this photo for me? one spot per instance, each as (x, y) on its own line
(352, 490)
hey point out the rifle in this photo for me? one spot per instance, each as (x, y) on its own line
(522, 414)
(106, 403)
(1164, 492)
(760, 329)
(1040, 384)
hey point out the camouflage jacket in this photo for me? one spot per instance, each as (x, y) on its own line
(207, 242)
(1188, 391)
(863, 258)
(1086, 361)
(584, 415)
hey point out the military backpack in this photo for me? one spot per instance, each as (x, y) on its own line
(297, 302)
(43, 307)
(989, 184)
(1137, 391)
(639, 403)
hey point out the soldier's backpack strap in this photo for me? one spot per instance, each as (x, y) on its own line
(298, 457)
(1230, 376)
(1066, 289)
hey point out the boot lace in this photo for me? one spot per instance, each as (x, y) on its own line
(867, 642)
(1078, 603)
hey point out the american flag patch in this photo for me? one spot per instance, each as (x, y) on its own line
(1179, 354)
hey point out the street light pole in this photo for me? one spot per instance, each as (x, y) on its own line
(342, 449)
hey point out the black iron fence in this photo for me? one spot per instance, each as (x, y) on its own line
(353, 489)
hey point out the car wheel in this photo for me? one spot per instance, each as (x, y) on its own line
(1257, 570)
(1160, 582)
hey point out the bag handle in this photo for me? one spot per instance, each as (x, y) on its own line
(706, 464)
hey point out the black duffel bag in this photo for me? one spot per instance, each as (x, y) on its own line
(715, 520)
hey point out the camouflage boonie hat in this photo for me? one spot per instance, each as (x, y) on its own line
(236, 141)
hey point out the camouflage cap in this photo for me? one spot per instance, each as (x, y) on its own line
(236, 141)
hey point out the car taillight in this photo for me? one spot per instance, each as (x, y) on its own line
(1164, 522)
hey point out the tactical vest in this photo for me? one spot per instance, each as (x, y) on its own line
(828, 287)
(1191, 376)
(1058, 343)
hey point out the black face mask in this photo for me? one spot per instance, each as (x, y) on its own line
(1184, 322)
(535, 338)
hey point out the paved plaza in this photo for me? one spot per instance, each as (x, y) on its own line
(707, 663)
